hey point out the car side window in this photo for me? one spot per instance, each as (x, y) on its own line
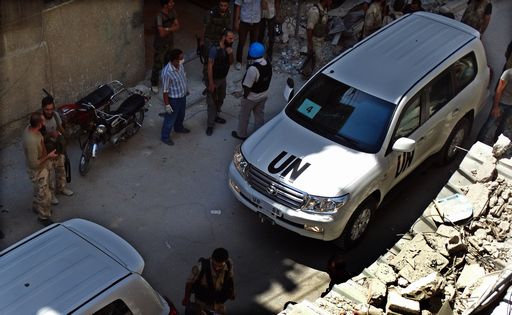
(439, 92)
(410, 118)
(118, 307)
(464, 71)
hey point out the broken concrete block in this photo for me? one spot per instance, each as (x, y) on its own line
(481, 164)
(409, 250)
(481, 234)
(402, 282)
(455, 245)
(469, 275)
(352, 291)
(425, 287)
(504, 226)
(449, 292)
(385, 273)
(397, 303)
(500, 148)
(478, 195)
(377, 290)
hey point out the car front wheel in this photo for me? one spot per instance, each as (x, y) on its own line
(357, 225)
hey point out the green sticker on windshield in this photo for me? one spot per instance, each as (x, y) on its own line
(309, 108)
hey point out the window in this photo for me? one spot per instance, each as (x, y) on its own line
(342, 114)
(439, 93)
(117, 307)
(410, 119)
(464, 71)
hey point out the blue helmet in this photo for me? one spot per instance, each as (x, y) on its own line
(256, 50)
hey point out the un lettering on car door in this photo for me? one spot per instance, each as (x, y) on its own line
(404, 161)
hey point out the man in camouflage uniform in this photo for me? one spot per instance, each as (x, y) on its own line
(316, 30)
(37, 161)
(166, 24)
(54, 139)
(477, 14)
(215, 22)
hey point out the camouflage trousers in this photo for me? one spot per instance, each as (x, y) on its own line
(42, 194)
(158, 63)
(57, 174)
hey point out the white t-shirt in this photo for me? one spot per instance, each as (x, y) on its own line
(269, 11)
(506, 97)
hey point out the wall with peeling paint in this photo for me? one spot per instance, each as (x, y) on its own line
(67, 47)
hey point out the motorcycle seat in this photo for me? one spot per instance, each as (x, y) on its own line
(130, 106)
(98, 97)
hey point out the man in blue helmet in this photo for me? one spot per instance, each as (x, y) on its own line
(255, 83)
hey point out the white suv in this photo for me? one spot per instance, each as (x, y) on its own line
(361, 124)
(76, 267)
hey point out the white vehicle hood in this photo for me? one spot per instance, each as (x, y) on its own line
(332, 169)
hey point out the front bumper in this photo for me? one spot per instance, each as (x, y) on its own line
(323, 227)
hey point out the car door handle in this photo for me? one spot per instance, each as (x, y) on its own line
(455, 111)
(421, 139)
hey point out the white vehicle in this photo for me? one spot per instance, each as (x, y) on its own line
(75, 267)
(362, 124)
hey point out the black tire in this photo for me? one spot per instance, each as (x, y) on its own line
(458, 138)
(85, 159)
(139, 118)
(357, 225)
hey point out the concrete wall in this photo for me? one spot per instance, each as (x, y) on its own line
(67, 47)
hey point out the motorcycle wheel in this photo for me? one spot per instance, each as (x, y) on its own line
(85, 158)
(138, 119)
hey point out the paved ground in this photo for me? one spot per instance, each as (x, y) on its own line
(160, 199)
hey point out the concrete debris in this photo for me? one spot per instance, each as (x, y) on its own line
(502, 147)
(425, 287)
(455, 245)
(469, 275)
(377, 291)
(401, 305)
(383, 272)
(478, 196)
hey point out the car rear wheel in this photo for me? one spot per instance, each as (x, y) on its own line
(457, 139)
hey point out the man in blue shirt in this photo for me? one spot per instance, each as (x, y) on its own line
(174, 82)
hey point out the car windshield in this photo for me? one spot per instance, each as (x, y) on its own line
(342, 113)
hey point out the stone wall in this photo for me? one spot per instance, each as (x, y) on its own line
(67, 47)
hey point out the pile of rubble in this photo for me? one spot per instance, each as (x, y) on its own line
(456, 258)
(345, 24)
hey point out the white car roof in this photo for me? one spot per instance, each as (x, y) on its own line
(390, 62)
(58, 269)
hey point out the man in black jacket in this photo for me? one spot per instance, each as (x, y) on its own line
(220, 57)
(211, 282)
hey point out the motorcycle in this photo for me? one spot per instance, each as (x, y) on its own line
(78, 120)
(114, 120)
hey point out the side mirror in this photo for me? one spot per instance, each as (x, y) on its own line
(404, 145)
(289, 89)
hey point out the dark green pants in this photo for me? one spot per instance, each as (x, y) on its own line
(159, 62)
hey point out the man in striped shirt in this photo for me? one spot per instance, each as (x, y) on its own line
(174, 81)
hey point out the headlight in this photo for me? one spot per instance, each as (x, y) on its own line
(101, 129)
(239, 161)
(325, 205)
